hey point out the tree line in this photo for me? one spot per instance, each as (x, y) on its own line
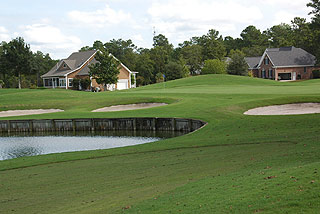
(206, 54)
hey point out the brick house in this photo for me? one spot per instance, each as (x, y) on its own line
(77, 66)
(287, 63)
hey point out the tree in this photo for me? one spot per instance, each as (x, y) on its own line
(315, 26)
(193, 57)
(176, 70)
(232, 44)
(315, 4)
(145, 66)
(212, 45)
(106, 70)
(214, 66)
(254, 42)
(238, 65)
(40, 64)
(124, 50)
(280, 35)
(16, 58)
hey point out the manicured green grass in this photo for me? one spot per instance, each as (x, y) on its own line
(236, 164)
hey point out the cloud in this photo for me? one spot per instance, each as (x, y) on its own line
(99, 18)
(50, 39)
(181, 17)
(4, 34)
(283, 17)
(287, 4)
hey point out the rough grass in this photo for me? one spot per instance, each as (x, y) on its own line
(236, 164)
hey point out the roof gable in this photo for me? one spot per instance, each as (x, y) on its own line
(289, 57)
(74, 62)
(253, 62)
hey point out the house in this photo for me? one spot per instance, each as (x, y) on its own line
(287, 63)
(77, 66)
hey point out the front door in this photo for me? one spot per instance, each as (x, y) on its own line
(294, 76)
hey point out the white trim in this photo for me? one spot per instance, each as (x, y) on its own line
(81, 65)
(294, 66)
(263, 57)
(70, 81)
(125, 67)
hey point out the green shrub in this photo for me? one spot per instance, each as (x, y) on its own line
(214, 66)
(316, 74)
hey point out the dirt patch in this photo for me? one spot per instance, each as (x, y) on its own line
(129, 107)
(288, 109)
(12, 113)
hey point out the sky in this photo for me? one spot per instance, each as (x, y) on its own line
(60, 27)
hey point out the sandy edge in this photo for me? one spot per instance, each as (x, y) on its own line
(287, 109)
(129, 107)
(12, 113)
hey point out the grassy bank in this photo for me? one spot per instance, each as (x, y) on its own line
(237, 163)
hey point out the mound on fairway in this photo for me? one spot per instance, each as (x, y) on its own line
(13, 113)
(288, 109)
(129, 107)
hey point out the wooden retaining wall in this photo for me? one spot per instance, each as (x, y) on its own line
(98, 124)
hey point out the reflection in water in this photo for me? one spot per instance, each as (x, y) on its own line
(25, 144)
(22, 151)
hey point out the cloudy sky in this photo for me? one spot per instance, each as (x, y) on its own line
(59, 27)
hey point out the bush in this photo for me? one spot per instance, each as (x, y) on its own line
(238, 65)
(316, 74)
(214, 66)
(85, 83)
(76, 83)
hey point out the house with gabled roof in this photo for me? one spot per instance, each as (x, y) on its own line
(76, 66)
(286, 63)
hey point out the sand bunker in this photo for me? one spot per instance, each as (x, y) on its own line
(129, 107)
(12, 113)
(288, 109)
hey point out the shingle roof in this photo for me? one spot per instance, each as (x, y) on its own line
(85, 71)
(74, 61)
(290, 56)
(253, 62)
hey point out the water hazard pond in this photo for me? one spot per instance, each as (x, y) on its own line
(30, 145)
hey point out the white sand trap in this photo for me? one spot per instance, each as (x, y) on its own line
(129, 107)
(12, 113)
(288, 109)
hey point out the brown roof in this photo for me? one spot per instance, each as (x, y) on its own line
(74, 62)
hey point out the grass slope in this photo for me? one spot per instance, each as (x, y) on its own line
(236, 164)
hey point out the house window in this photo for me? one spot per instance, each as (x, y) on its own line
(270, 74)
(305, 69)
(263, 73)
(47, 82)
(64, 65)
(266, 61)
(70, 81)
(62, 82)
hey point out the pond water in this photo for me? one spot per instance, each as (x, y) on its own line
(22, 145)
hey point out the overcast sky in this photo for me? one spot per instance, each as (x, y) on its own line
(60, 27)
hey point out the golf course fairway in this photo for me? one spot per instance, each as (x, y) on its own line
(236, 164)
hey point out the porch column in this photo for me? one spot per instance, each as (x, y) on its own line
(67, 82)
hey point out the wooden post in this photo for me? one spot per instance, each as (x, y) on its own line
(134, 124)
(92, 125)
(154, 124)
(190, 125)
(30, 126)
(8, 126)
